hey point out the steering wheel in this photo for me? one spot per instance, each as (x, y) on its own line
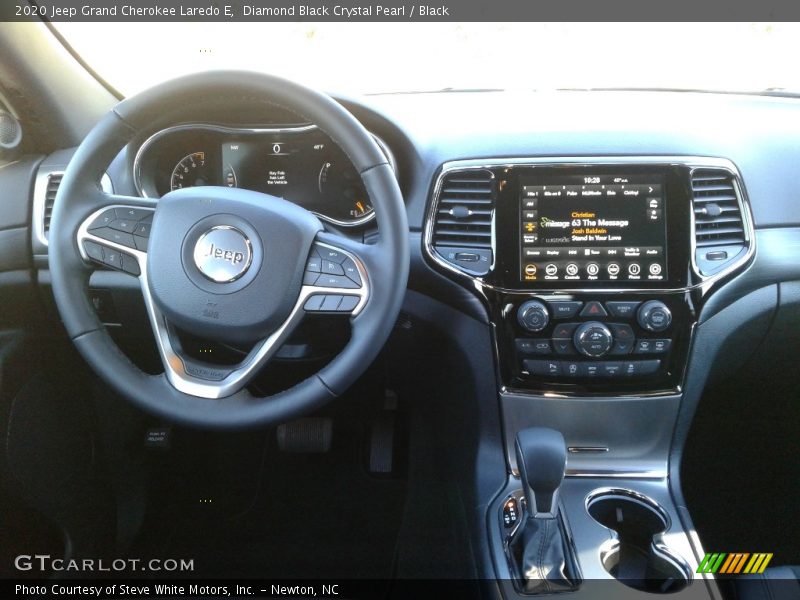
(225, 264)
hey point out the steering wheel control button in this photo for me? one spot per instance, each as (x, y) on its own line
(133, 214)
(130, 265)
(622, 309)
(123, 225)
(351, 271)
(594, 309)
(310, 278)
(533, 316)
(330, 267)
(223, 254)
(593, 339)
(331, 254)
(112, 258)
(141, 243)
(565, 309)
(314, 264)
(103, 220)
(142, 229)
(331, 303)
(118, 237)
(93, 250)
(314, 303)
(335, 281)
(348, 304)
(654, 316)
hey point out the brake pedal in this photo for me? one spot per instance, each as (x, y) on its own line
(311, 435)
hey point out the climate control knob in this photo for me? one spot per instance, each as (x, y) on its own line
(533, 316)
(654, 316)
(593, 339)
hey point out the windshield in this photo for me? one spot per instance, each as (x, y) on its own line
(358, 58)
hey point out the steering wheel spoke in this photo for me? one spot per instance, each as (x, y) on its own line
(116, 234)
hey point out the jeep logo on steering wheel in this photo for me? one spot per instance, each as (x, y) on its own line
(223, 254)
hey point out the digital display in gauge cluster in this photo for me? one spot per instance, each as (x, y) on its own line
(301, 165)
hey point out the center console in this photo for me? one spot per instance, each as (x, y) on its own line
(593, 272)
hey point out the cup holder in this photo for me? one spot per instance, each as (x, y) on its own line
(637, 557)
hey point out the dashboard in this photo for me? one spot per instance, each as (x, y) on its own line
(298, 163)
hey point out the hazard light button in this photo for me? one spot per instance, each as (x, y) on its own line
(594, 309)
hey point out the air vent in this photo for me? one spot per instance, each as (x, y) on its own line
(53, 181)
(720, 234)
(717, 212)
(462, 228)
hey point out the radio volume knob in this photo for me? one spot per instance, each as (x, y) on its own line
(593, 339)
(533, 316)
(654, 316)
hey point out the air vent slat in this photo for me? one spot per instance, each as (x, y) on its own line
(718, 218)
(53, 181)
(464, 215)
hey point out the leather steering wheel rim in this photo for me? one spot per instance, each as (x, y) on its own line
(79, 196)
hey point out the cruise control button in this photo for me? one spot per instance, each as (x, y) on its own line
(594, 309)
(141, 242)
(118, 237)
(348, 303)
(622, 309)
(93, 250)
(314, 303)
(335, 281)
(314, 264)
(103, 220)
(112, 258)
(565, 309)
(351, 270)
(123, 225)
(331, 302)
(542, 367)
(142, 229)
(134, 214)
(331, 268)
(130, 265)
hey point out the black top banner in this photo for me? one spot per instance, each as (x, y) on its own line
(398, 10)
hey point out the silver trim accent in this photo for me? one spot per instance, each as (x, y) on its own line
(43, 175)
(252, 130)
(248, 245)
(693, 162)
(174, 366)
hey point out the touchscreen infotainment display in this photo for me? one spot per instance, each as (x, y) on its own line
(589, 227)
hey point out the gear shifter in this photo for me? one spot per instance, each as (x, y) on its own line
(544, 558)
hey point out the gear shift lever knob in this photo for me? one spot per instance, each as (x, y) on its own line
(541, 460)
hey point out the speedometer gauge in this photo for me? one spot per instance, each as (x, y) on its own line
(190, 171)
(340, 184)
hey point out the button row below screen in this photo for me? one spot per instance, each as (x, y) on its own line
(597, 369)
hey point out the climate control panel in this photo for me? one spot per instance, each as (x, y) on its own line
(595, 342)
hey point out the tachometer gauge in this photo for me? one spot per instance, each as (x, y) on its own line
(343, 189)
(190, 171)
